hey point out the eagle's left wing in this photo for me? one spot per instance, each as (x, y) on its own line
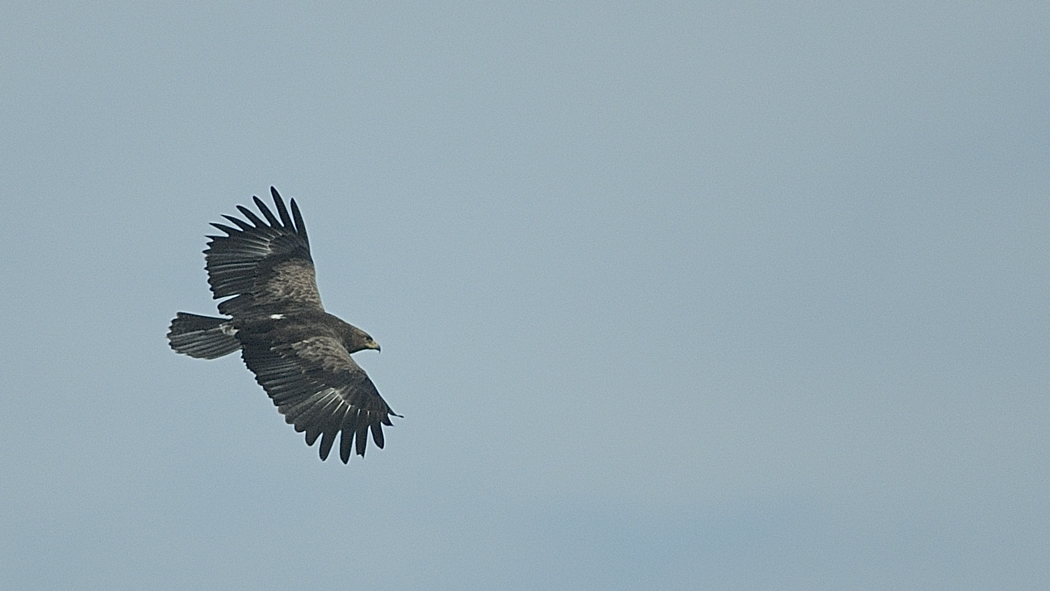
(319, 388)
(264, 263)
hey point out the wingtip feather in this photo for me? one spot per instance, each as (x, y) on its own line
(326, 443)
(286, 220)
(362, 435)
(346, 442)
(239, 222)
(300, 226)
(274, 222)
(251, 216)
(377, 434)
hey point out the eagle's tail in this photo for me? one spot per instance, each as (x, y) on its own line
(203, 337)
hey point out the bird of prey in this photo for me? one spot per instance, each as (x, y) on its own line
(299, 353)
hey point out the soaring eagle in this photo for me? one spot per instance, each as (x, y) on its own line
(299, 353)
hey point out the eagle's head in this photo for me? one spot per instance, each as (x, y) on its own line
(356, 340)
(371, 343)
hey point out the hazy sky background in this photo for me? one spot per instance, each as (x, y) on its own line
(671, 295)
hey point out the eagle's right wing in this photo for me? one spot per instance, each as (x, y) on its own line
(265, 264)
(319, 388)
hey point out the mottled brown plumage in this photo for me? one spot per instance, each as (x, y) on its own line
(299, 353)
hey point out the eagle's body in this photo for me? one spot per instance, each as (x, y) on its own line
(299, 353)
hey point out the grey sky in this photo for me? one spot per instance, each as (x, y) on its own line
(671, 295)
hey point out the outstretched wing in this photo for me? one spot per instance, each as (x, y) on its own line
(319, 388)
(264, 263)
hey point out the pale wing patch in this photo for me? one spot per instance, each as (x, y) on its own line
(326, 352)
(290, 282)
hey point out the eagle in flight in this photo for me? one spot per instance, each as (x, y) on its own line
(299, 353)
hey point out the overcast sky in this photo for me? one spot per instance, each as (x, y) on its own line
(671, 295)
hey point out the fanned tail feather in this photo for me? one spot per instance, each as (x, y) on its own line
(203, 337)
